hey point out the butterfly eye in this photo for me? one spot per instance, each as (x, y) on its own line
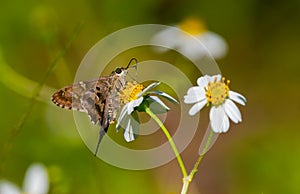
(118, 70)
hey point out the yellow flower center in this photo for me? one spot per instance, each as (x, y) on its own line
(130, 92)
(193, 26)
(217, 92)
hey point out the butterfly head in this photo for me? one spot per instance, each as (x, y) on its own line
(120, 71)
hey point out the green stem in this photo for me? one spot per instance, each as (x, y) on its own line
(21, 84)
(166, 132)
(188, 179)
(35, 94)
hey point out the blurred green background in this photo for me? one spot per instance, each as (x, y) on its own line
(261, 155)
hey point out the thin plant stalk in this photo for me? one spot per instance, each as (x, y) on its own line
(188, 179)
(169, 137)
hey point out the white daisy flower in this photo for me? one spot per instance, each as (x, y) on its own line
(184, 43)
(135, 97)
(35, 182)
(214, 91)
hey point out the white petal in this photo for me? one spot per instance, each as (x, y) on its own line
(135, 124)
(136, 102)
(225, 124)
(7, 187)
(237, 98)
(194, 94)
(232, 111)
(202, 81)
(215, 44)
(122, 115)
(217, 77)
(214, 116)
(197, 107)
(165, 39)
(196, 90)
(156, 99)
(209, 78)
(36, 180)
(128, 134)
(219, 120)
(129, 107)
(153, 85)
(191, 47)
(133, 104)
(123, 123)
(165, 95)
(213, 78)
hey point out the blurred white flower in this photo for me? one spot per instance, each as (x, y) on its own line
(35, 182)
(136, 97)
(214, 91)
(186, 42)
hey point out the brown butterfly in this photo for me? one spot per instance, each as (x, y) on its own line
(98, 98)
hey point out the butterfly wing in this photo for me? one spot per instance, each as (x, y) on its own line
(98, 98)
(86, 96)
(68, 97)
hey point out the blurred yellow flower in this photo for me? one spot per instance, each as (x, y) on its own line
(185, 39)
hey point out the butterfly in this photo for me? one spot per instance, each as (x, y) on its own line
(98, 98)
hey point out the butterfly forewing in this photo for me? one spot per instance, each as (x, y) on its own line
(98, 98)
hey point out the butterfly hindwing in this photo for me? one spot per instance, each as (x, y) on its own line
(69, 96)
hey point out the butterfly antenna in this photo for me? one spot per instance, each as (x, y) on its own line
(132, 59)
(101, 135)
